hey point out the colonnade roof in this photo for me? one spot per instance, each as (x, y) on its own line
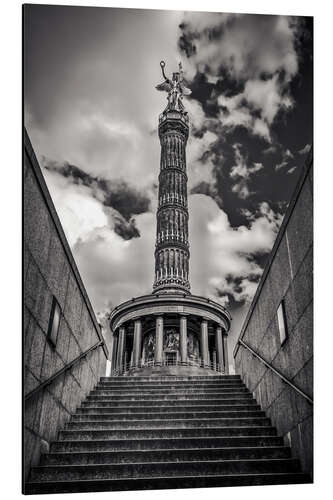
(164, 303)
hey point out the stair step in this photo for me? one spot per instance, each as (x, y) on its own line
(166, 482)
(173, 455)
(171, 396)
(160, 433)
(156, 469)
(97, 414)
(121, 392)
(169, 378)
(177, 385)
(183, 423)
(165, 443)
(175, 405)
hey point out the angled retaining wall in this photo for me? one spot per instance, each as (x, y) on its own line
(50, 272)
(287, 277)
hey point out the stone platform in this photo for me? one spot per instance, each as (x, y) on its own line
(170, 371)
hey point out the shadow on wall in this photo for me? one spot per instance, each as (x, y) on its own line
(279, 327)
(60, 328)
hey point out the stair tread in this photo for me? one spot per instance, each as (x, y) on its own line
(179, 477)
(176, 419)
(257, 436)
(170, 428)
(173, 449)
(176, 462)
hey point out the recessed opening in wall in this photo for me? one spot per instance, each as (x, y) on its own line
(281, 315)
(54, 322)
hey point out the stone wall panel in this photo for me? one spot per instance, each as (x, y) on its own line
(300, 228)
(50, 271)
(288, 277)
(58, 270)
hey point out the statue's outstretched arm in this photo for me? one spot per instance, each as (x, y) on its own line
(162, 64)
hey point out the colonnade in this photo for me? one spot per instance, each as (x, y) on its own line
(221, 344)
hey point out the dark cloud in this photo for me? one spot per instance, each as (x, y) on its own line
(126, 229)
(124, 200)
(208, 190)
(223, 66)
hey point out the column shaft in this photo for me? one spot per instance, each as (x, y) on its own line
(114, 352)
(120, 351)
(183, 339)
(219, 348)
(159, 341)
(204, 342)
(137, 342)
(225, 352)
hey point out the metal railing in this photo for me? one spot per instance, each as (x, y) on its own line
(274, 370)
(126, 368)
(62, 370)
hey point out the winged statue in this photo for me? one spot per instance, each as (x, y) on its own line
(175, 88)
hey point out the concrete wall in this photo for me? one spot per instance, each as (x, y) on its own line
(49, 270)
(288, 276)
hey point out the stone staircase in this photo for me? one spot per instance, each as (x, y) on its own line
(136, 433)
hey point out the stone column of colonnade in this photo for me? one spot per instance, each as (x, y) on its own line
(137, 342)
(159, 341)
(204, 342)
(221, 344)
(159, 330)
(225, 351)
(114, 351)
(121, 347)
(219, 348)
(183, 339)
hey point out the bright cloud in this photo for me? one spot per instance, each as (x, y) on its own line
(200, 166)
(258, 51)
(221, 254)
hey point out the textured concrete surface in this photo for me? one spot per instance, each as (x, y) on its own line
(289, 277)
(50, 270)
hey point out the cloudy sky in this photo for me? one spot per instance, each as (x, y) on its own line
(91, 110)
